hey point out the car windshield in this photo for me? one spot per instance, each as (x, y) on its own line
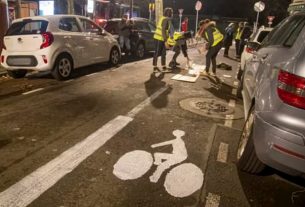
(28, 27)
(262, 36)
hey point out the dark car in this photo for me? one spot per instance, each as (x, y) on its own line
(142, 36)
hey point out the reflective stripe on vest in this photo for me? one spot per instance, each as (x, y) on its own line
(238, 35)
(158, 33)
(218, 37)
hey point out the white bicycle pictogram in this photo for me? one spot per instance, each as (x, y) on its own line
(181, 181)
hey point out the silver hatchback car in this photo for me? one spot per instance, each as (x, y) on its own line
(274, 102)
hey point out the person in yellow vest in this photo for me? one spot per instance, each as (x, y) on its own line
(161, 35)
(238, 35)
(214, 44)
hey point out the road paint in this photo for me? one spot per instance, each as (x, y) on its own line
(223, 151)
(68, 81)
(212, 200)
(234, 91)
(92, 74)
(235, 83)
(184, 180)
(181, 181)
(133, 165)
(33, 185)
(232, 103)
(229, 121)
(33, 91)
(147, 102)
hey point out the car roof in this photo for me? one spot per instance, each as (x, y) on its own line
(48, 17)
(133, 19)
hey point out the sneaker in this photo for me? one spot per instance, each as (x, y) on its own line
(212, 74)
(204, 73)
(156, 69)
(177, 63)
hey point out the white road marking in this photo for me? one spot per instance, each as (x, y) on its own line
(235, 83)
(212, 200)
(92, 74)
(33, 185)
(232, 103)
(33, 91)
(68, 81)
(229, 121)
(234, 91)
(223, 151)
(147, 102)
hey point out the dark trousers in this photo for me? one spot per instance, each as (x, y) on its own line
(177, 49)
(237, 47)
(211, 57)
(242, 45)
(227, 47)
(160, 49)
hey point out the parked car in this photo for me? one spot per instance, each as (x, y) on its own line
(252, 46)
(142, 36)
(58, 43)
(274, 102)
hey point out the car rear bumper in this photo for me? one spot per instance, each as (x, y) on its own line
(38, 61)
(279, 148)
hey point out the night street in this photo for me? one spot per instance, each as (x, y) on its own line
(91, 141)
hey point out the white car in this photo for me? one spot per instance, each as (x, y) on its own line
(57, 43)
(252, 45)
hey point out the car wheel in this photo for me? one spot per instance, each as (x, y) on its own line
(114, 56)
(140, 52)
(63, 67)
(246, 155)
(17, 73)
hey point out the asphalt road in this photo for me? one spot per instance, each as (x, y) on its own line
(90, 141)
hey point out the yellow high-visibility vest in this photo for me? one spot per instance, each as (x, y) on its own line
(177, 36)
(238, 34)
(158, 33)
(218, 37)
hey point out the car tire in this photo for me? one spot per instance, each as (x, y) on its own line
(17, 73)
(63, 67)
(114, 56)
(140, 51)
(247, 159)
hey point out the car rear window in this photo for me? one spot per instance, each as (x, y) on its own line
(262, 36)
(28, 27)
(287, 32)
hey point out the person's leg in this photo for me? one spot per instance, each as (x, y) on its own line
(177, 53)
(226, 53)
(121, 41)
(157, 52)
(215, 51)
(237, 46)
(163, 55)
(127, 43)
(241, 47)
(208, 60)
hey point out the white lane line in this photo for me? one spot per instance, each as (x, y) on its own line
(229, 121)
(33, 185)
(212, 200)
(232, 103)
(68, 81)
(234, 91)
(223, 151)
(92, 74)
(235, 83)
(33, 91)
(145, 103)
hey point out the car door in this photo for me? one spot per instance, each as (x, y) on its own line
(74, 40)
(98, 45)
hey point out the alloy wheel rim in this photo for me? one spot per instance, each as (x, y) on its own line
(115, 57)
(64, 67)
(245, 136)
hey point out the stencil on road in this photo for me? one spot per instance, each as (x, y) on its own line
(181, 181)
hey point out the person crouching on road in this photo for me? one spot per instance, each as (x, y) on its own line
(161, 36)
(178, 42)
(214, 44)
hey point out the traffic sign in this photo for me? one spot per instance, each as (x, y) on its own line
(259, 6)
(198, 6)
(271, 18)
(181, 11)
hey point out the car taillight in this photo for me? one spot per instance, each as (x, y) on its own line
(47, 39)
(2, 58)
(291, 89)
(249, 50)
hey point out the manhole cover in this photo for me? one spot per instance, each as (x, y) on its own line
(212, 108)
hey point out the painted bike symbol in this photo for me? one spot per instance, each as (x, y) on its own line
(181, 181)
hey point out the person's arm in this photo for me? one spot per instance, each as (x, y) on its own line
(165, 25)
